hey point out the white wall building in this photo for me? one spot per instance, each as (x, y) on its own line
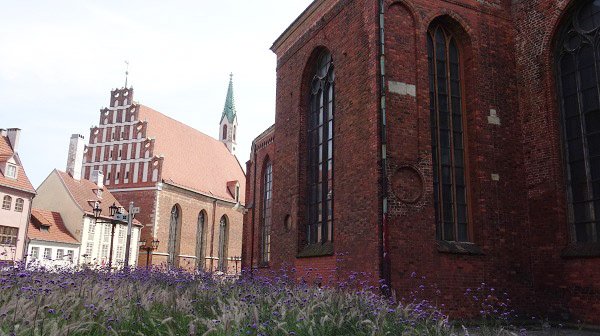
(74, 198)
(50, 244)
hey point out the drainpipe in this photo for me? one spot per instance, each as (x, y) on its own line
(253, 212)
(384, 266)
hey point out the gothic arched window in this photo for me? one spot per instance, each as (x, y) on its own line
(577, 62)
(201, 240)
(224, 132)
(447, 128)
(174, 236)
(320, 152)
(265, 241)
(223, 244)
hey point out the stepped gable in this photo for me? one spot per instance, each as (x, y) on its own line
(192, 159)
(22, 181)
(57, 232)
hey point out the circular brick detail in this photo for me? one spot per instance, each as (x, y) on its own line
(407, 184)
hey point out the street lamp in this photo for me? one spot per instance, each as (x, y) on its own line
(113, 211)
(149, 247)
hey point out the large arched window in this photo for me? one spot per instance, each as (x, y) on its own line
(174, 234)
(223, 244)
(447, 142)
(265, 241)
(320, 151)
(577, 64)
(224, 132)
(201, 240)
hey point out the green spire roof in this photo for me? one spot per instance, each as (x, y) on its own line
(229, 109)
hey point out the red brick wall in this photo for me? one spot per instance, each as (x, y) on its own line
(570, 286)
(191, 204)
(264, 148)
(518, 222)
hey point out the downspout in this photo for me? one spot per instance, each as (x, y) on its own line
(253, 212)
(384, 266)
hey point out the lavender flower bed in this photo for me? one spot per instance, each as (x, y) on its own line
(155, 302)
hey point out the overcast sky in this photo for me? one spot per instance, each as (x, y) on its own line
(59, 60)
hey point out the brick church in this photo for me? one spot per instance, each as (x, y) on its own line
(189, 186)
(456, 139)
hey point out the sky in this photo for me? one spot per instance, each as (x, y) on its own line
(60, 59)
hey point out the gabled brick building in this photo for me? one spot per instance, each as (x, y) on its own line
(457, 139)
(189, 186)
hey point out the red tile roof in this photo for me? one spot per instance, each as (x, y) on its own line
(84, 194)
(21, 182)
(57, 232)
(192, 159)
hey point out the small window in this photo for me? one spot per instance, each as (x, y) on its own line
(44, 228)
(224, 132)
(11, 171)
(19, 205)
(47, 253)
(70, 255)
(237, 193)
(6, 202)
(8, 235)
(35, 252)
(60, 253)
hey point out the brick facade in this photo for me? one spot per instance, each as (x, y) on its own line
(518, 227)
(158, 163)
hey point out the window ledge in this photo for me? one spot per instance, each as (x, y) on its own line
(316, 250)
(453, 247)
(581, 250)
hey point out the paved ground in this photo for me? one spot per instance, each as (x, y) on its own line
(563, 332)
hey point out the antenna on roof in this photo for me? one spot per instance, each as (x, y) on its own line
(126, 72)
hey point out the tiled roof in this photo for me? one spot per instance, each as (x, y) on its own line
(192, 159)
(57, 232)
(84, 194)
(22, 181)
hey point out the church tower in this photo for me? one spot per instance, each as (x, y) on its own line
(228, 125)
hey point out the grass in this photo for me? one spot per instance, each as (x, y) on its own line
(158, 302)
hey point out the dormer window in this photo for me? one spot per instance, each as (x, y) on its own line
(44, 228)
(11, 171)
(99, 193)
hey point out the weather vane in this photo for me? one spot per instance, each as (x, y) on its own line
(126, 72)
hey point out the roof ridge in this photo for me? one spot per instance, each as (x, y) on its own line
(181, 123)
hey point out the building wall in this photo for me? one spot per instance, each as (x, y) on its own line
(568, 286)
(54, 261)
(12, 218)
(356, 150)
(262, 152)
(191, 204)
(52, 195)
(98, 240)
(516, 190)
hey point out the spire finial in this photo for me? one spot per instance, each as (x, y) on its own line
(126, 72)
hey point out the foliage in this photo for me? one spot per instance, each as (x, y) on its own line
(164, 302)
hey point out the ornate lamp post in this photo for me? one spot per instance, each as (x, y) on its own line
(149, 246)
(114, 210)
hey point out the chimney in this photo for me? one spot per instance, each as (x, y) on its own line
(75, 158)
(13, 137)
(98, 178)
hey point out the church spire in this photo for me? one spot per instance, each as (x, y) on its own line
(228, 124)
(229, 109)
